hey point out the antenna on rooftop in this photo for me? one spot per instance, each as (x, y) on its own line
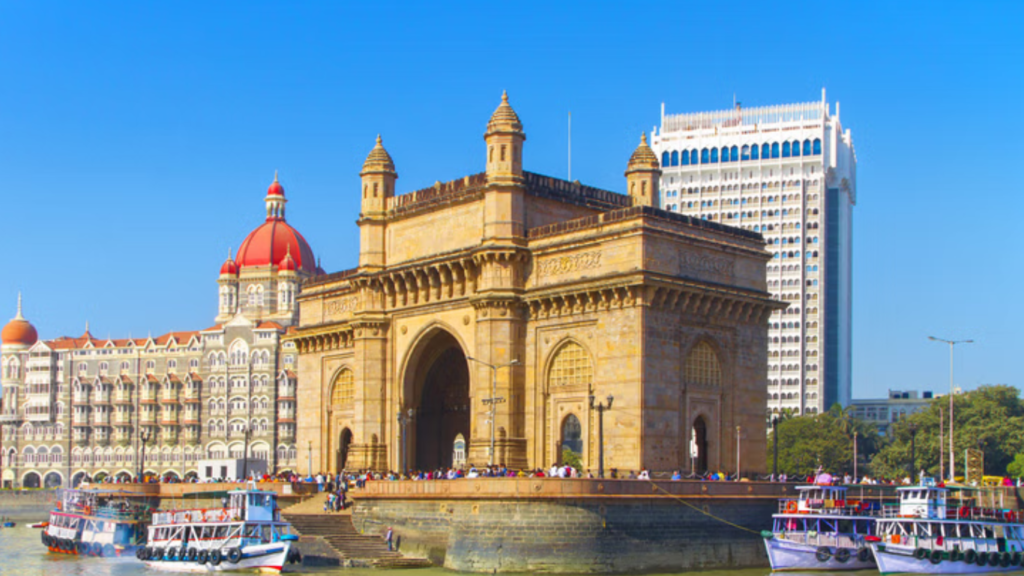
(570, 146)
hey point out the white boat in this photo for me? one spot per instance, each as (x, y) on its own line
(97, 522)
(923, 535)
(248, 536)
(821, 530)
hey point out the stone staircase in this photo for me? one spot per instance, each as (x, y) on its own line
(337, 530)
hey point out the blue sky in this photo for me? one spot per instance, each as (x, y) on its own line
(137, 140)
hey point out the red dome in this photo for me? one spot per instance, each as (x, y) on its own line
(271, 243)
(275, 188)
(288, 263)
(19, 331)
(229, 267)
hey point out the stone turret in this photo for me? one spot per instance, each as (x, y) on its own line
(504, 139)
(378, 176)
(643, 174)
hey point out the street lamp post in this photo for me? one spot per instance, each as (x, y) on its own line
(309, 464)
(854, 455)
(245, 452)
(403, 420)
(494, 400)
(738, 433)
(144, 436)
(952, 465)
(913, 448)
(600, 430)
(775, 448)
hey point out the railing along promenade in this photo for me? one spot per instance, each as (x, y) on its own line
(590, 488)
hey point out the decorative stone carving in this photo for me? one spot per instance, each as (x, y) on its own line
(342, 305)
(558, 265)
(690, 263)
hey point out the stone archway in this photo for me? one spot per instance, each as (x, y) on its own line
(31, 480)
(53, 480)
(344, 442)
(572, 437)
(440, 394)
(78, 479)
(699, 445)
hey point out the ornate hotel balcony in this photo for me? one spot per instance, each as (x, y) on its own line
(101, 398)
(169, 398)
(122, 418)
(122, 439)
(80, 398)
(169, 436)
(9, 417)
(169, 421)
(123, 398)
(148, 398)
(147, 419)
(286, 415)
(286, 436)
(101, 419)
(80, 419)
(81, 438)
(192, 397)
(37, 413)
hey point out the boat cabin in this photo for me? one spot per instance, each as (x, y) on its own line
(254, 505)
(814, 499)
(925, 501)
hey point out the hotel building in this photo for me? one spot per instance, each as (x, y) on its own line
(788, 172)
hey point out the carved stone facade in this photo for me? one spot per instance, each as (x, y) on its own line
(528, 296)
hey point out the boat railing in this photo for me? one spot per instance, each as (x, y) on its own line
(849, 508)
(961, 513)
(198, 515)
(816, 538)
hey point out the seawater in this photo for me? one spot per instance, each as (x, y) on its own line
(22, 554)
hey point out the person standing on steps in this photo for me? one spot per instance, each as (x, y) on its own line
(389, 538)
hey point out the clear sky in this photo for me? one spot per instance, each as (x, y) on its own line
(137, 140)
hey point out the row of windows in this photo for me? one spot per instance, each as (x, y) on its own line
(737, 154)
(793, 382)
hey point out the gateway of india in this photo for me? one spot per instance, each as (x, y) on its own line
(507, 309)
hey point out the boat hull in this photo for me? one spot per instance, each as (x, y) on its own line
(799, 557)
(902, 561)
(265, 558)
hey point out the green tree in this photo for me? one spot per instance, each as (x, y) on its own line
(1016, 468)
(989, 418)
(825, 440)
(571, 458)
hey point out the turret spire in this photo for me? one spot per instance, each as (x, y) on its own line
(275, 200)
(19, 316)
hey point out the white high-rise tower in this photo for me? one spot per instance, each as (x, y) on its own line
(790, 173)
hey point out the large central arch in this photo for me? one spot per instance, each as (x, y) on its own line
(438, 375)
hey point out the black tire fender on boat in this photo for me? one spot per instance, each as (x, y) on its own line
(216, 557)
(96, 549)
(203, 557)
(158, 553)
(140, 553)
(191, 555)
(109, 551)
(842, 555)
(921, 553)
(234, 555)
(864, 554)
(993, 559)
(982, 559)
(1015, 559)
(171, 554)
(971, 556)
(1005, 559)
(823, 554)
(935, 557)
(44, 538)
(67, 545)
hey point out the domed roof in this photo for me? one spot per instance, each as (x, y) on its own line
(378, 160)
(271, 243)
(229, 267)
(504, 118)
(643, 157)
(19, 331)
(288, 264)
(275, 187)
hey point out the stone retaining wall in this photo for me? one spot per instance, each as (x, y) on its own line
(35, 504)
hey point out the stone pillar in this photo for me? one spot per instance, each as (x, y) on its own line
(370, 424)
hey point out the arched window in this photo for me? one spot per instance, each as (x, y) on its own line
(796, 147)
(702, 367)
(745, 152)
(675, 158)
(785, 149)
(714, 155)
(664, 158)
(704, 159)
(807, 147)
(734, 154)
(775, 150)
(572, 437)
(686, 158)
(754, 152)
(571, 366)
(693, 156)
(343, 392)
(817, 146)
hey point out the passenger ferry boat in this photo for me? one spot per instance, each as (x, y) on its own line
(96, 522)
(247, 535)
(821, 530)
(926, 535)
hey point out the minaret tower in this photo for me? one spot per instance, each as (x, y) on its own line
(378, 179)
(643, 174)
